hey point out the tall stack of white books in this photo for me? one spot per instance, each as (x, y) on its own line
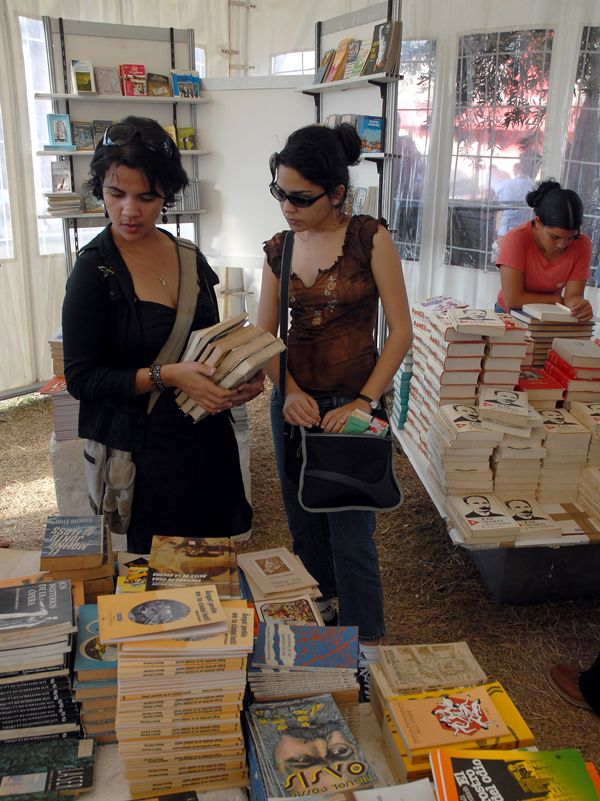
(504, 354)
(545, 322)
(588, 414)
(460, 448)
(567, 443)
(589, 492)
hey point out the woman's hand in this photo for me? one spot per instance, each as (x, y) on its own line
(334, 420)
(300, 409)
(194, 379)
(248, 391)
(582, 310)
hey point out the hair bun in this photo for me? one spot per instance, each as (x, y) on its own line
(351, 142)
(535, 197)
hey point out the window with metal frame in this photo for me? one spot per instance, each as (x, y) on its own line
(300, 63)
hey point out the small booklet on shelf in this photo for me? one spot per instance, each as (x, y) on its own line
(158, 85)
(185, 83)
(83, 137)
(107, 80)
(82, 77)
(59, 132)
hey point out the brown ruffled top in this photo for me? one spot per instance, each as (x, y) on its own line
(330, 346)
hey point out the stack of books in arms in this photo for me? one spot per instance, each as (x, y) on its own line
(44, 770)
(80, 549)
(588, 414)
(181, 681)
(402, 381)
(543, 392)
(575, 365)
(296, 661)
(65, 409)
(504, 355)
(281, 749)
(95, 683)
(514, 775)
(545, 322)
(238, 352)
(36, 624)
(567, 442)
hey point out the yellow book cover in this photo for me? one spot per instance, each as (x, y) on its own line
(406, 770)
(170, 732)
(135, 761)
(185, 744)
(206, 766)
(218, 781)
(185, 612)
(519, 734)
(189, 561)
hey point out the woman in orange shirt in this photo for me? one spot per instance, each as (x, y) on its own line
(547, 260)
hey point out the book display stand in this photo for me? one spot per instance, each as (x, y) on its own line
(523, 575)
(160, 49)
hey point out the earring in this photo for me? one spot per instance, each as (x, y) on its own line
(105, 212)
(165, 219)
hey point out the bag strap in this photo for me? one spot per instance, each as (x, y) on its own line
(187, 300)
(284, 299)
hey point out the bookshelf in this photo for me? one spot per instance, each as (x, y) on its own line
(160, 50)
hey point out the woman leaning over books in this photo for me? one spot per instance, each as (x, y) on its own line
(120, 309)
(341, 266)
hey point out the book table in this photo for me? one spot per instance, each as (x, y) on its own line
(526, 572)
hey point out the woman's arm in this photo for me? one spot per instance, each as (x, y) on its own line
(514, 294)
(574, 299)
(387, 271)
(299, 408)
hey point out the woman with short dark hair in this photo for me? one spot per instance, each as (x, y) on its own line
(547, 260)
(119, 309)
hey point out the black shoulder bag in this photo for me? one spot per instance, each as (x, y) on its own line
(334, 472)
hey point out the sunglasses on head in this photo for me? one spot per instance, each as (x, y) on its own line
(296, 200)
(123, 133)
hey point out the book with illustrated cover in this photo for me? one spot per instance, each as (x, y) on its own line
(297, 646)
(482, 322)
(158, 85)
(361, 59)
(275, 570)
(369, 129)
(284, 734)
(418, 668)
(187, 561)
(512, 775)
(59, 132)
(503, 405)
(301, 611)
(94, 661)
(46, 608)
(530, 516)
(73, 762)
(61, 177)
(338, 65)
(154, 615)
(91, 203)
(186, 138)
(107, 80)
(376, 57)
(587, 413)
(72, 543)
(437, 304)
(185, 83)
(353, 51)
(83, 138)
(98, 129)
(462, 421)
(82, 77)
(133, 79)
(481, 514)
(326, 60)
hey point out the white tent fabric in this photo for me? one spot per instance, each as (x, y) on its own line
(31, 286)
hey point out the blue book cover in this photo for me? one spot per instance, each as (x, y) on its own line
(59, 130)
(93, 660)
(186, 83)
(73, 543)
(369, 129)
(280, 645)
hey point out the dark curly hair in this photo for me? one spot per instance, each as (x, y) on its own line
(321, 155)
(165, 175)
(556, 207)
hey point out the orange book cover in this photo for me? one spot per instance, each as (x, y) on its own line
(186, 612)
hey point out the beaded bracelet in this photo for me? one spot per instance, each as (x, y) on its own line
(155, 380)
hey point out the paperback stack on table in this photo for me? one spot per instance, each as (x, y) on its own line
(65, 409)
(530, 352)
(589, 415)
(589, 492)
(468, 719)
(95, 669)
(543, 392)
(575, 365)
(545, 322)
(276, 574)
(285, 755)
(80, 549)
(402, 381)
(296, 661)
(567, 442)
(460, 447)
(534, 522)
(36, 624)
(504, 354)
(237, 351)
(63, 204)
(43, 770)
(481, 518)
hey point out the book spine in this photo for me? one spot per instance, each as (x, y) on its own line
(559, 362)
(557, 374)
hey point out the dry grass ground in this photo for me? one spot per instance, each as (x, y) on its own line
(433, 591)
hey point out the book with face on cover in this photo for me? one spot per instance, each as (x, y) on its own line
(587, 413)
(418, 668)
(502, 405)
(482, 322)
(189, 561)
(275, 570)
(186, 612)
(481, 514)
(462, 421)
(530, 516)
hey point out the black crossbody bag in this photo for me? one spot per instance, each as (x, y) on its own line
(334, 472)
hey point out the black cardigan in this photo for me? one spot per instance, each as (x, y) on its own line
(103, 347)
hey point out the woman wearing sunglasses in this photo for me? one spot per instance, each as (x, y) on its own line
(119, 310)
(341, 266)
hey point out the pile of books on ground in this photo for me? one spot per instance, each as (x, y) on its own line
(181, 681)
(43, 770)
(237, 351)
(303, 747)
(65, 409)
(575, 365)
(36, 627)
(80, 549)
(63, 204)
(546, 322)
(402, 391)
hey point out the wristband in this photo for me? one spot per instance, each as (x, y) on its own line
(155, 380)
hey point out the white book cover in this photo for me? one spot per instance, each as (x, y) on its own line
(435, 305)
(483, 513)
(587, 413)
(528, 513)
(482, 322)
(577, 352)
(463, 421)
(504, 405)
(443, 328)
(559, 421)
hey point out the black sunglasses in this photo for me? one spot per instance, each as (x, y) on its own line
(123, 133)
(296, 200)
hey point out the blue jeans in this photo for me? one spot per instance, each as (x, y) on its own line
(337, 548)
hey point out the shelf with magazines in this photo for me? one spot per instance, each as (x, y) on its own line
(169, 93)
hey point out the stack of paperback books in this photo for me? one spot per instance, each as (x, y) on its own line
(481, 518)
(237, 351)
(402, 381)
(589, 415)
(56, 353)
(504, 354)
(545, 322)
(276, 574)
(296, 661)
(36, 624)
(191, 561)
(80, 549)
(575, 365)
(60, 767)
(589, 492)
(63, 204)
(543, 392)
(534, 522)
(283, 741)
(567, 442)
(517, 463)
(65, 409)
(95, 670)
(467, 719)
